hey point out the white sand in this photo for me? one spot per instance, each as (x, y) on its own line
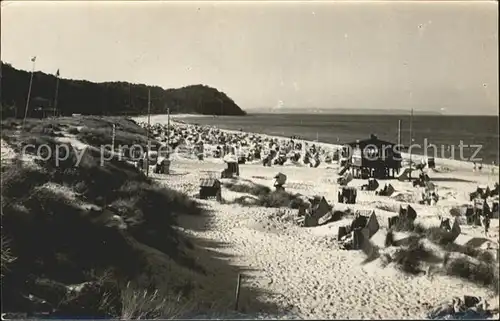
(303, 269)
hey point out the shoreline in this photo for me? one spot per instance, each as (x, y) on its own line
(446, 162)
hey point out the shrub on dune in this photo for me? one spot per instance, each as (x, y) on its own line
(103, 136)
(141, 304)
(410, 259)
(280, 199)
(479, 254)
(435, 234)
(439, 236)
(7, 257)
(253, 189)
(68, 235)
(469, 263)
(264, 196)
(478, 272)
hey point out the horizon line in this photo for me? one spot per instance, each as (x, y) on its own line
(346, 113)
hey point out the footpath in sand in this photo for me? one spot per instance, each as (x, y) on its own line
(302, 269)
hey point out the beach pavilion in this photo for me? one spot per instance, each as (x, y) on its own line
(372, 157)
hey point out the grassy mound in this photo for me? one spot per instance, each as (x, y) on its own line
(66, 226)
(253, 189)
(410, 259)
(462, 261)
(266, 197)
(484, 273)
(92, 130)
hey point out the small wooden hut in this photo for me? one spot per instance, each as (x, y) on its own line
(363, 227)
(372, 157)
(319, 207)
(232, 168)
(347, 195)
(162, 166)
(210, 188)
(371, 186)
(431, 162)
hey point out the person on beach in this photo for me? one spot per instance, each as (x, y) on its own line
(486, 223)
(474, 168)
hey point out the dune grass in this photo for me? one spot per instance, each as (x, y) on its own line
(472, 264)
(440, 237)
(479, 272)
(410, 259)
(435, 234)
(274, 199)
(265, 197)
(92, 130)
(253, 189)
(479, 254)
(6, 258)
(139, 303)
(69, 213)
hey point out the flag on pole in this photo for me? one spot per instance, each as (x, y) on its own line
(33, 59)
(57, 73)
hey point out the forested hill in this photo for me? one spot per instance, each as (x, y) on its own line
(108, 98)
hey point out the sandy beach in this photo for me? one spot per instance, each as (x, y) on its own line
(445, 162)
(303, 269)
(264, 160)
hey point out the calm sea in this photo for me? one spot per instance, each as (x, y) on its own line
(446, 132)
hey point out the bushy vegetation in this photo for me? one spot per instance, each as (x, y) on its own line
(66, 225)
(253, 189)
(435, 234)
(473, 252)
(92, 130)
(109, 98)
(480, 272)
(265, 196)
(280, 199)
(411, 257)
(467, 262)
(6, 258)
(139, 303)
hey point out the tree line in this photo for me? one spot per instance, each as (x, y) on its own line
(107, 98)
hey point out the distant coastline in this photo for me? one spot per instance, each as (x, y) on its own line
(356, 111)
(341, 111)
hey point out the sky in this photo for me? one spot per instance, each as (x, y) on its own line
(430, 56)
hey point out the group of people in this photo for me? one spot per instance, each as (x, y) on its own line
(245, 147)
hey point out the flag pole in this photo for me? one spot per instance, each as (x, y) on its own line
(29, 92)
(149, 124)
(57, 93)
(399, 133)
(168, 132)
(1, 105)
(113, 138)
(411, 137)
